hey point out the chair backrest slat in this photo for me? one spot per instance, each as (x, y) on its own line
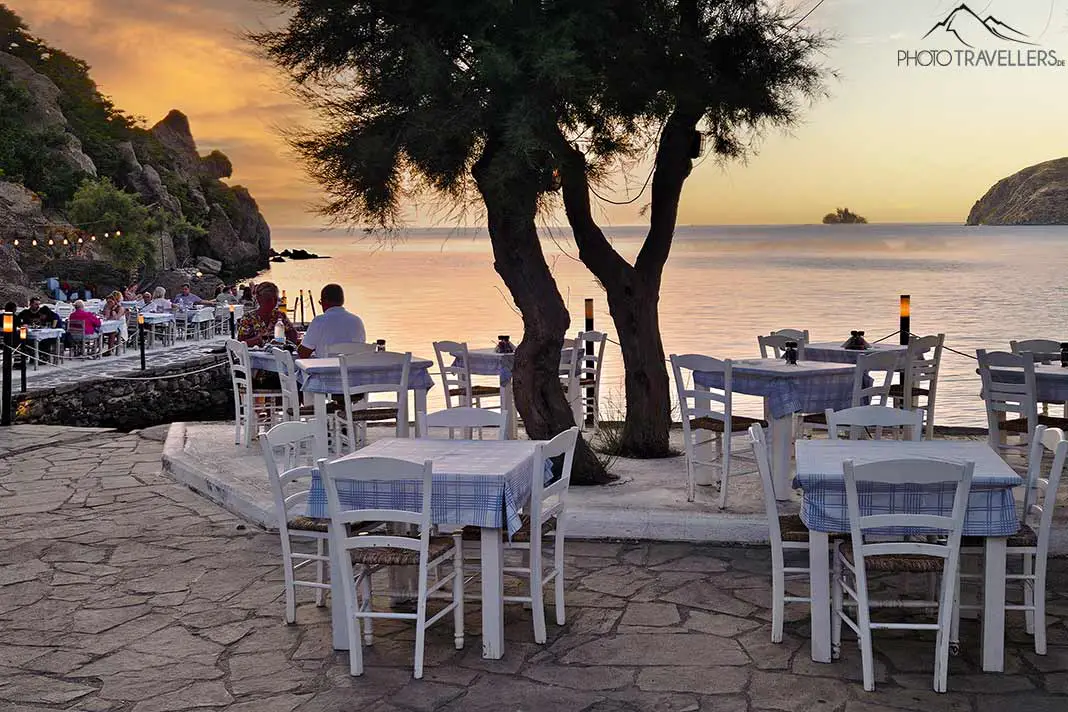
(878, 393)
(349, 348)
(462, 417)
(454, 365)
(1040, 350)
(874, 416)
(776, 342)
(1010, 391)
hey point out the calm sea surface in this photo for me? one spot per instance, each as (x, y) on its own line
(722, 286)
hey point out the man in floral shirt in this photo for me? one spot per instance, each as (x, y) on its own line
(257, 328)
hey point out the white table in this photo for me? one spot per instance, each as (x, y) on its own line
(991, 515)
(804, 387)
(479, 483)
(835, 352)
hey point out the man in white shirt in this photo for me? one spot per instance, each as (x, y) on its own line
(335, 325)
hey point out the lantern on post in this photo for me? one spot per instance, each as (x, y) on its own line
(9, 333)
(906, 318)
(141, 338)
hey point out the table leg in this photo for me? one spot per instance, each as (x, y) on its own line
(704, 450)
(782, 432)
(508, 408)
(36, 354)
(492, 594)
(321, 433)
(994, 605)
(338, 624)
(819, 586)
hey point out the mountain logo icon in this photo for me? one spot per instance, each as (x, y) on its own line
(966, 25)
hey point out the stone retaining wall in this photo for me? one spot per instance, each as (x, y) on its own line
(114, 402)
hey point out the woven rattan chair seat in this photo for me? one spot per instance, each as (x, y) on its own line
(392, 556)
(477, 391)
(308, 524)
(1026, 537)
(739, 424)
(792, 528)
(588, 382)
(521, 536)
(366, 414)
(815, 419)
(897, 563)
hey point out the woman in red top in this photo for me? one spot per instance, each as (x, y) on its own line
(91, 321)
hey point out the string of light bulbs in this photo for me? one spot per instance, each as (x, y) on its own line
(51, 242)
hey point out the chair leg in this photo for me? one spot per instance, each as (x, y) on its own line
(1029, 593)
(691, 479)
(945, 618)
(837, 606)
(954, 630)
(1039, 596)
(458, 590)
(778, 596)
(287, 573)
(725, 448)
(537, 596)
(558, 564)
(366, 594)
(320, 571)
(420, 625)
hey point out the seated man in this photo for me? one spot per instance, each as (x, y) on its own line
(227, 295)
(37, 316)
(187, 300)
(335, 325)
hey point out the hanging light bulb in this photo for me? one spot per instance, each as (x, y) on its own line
(92, 238)
(15, 243)
(51, 242)
(105, 234)
(34, 243)
(79, 240)
(118, 234)
(65, 241)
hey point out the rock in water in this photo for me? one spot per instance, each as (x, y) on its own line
(1035, 196)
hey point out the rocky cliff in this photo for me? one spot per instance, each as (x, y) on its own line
(57, 130)
(1035, 196)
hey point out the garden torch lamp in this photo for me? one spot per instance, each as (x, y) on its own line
(906, 318)
(233, 327)
(141, 338)
(9, 329)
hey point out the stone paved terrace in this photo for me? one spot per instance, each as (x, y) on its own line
(120, 590)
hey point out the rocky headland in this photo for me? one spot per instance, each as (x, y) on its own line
(1037, 195)
(58, 134)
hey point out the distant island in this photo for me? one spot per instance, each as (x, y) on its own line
(843, 216)
(1037, 195)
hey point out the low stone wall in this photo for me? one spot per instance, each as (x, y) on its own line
(129, 400)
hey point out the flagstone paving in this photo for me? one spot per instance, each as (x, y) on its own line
(120, 590)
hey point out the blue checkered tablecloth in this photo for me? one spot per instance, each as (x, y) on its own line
(1051, 381)
(991, 505)
(324, 375)
(830, 352)
(487, 362)
(482, 483)
(808, 387)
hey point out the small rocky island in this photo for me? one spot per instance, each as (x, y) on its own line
(843, 216)
(1037, 195)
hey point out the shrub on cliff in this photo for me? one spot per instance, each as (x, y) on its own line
(99, 207)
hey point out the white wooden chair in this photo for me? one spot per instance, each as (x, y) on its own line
(895, 554)
(862, 417)
(800, 335)
(356, 411)
(869, 368)
(545, 516)
(775, 343)
(590, 374)
(285, 447)
(291, 408)
(1042, 351)
(354, 348)
(923, 359)
(82, 344)
(63, 310)
(570, 368)
(1031, 542)
(698, 414)
(1007, 395)
(785, 532)
(251, 408)
(460, 390)
(461, 418)
(371, 552)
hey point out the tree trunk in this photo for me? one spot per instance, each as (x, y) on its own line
(634, 306)
(511, 194)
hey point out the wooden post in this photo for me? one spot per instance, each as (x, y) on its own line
(590, 390)
(141, 338)
(23, 332)
(302, 322)
(906, 319)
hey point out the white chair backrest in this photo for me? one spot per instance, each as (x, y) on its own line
(76, 328)
(462, 417)
(799, 335)
(203, 314)
(923, 360)
(777, 344)
(771, 509)
(397, 365)
(590, 366)
(412, 475)
(240, 362)
(288, 451)
(550, 500)
(936, 475)
(1041, 350)
(353, 348)
(454, 365)
(874, 416)
(1008, 392)
(702, 400)
(287, 376)
(1040, 497)
(570, 359)
(877, 362)
(62, 309)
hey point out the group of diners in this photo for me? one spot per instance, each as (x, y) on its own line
(335, 325)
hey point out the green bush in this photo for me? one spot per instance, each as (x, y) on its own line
(99, 207)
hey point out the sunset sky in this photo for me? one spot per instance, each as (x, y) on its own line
(895, 144)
